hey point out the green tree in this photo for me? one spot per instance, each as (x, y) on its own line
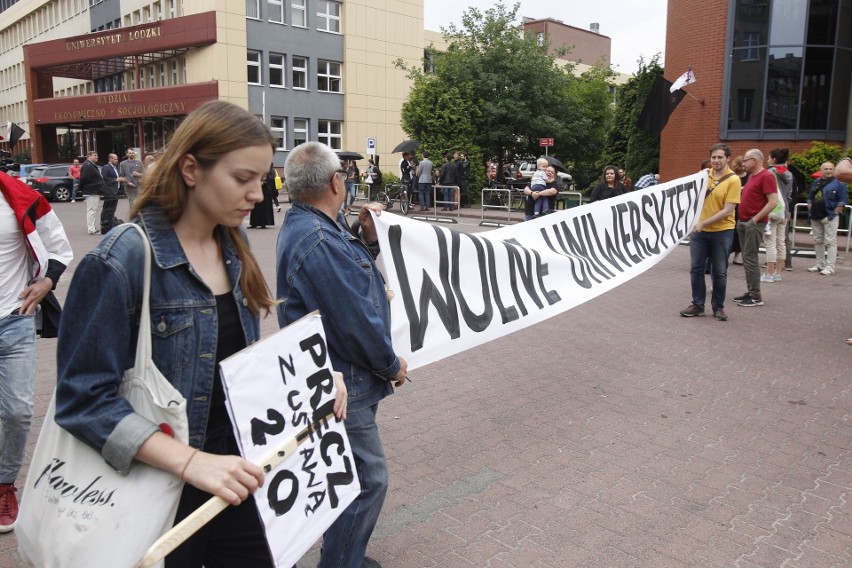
(626, 144)
(495, 93)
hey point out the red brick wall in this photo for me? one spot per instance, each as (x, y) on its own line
(695, 35)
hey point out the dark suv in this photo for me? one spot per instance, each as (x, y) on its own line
(51, 181)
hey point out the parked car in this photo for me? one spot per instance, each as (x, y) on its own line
(21, 171)
(526, 169)
(52, 181)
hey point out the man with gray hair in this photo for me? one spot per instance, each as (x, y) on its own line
(759, 197)
(323, 265)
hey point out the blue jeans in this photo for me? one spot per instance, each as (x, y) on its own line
(449, 197)
(75, 184)
(17, 380)
(713, 246)
(350, 194)
(425, 190)
(344, 544)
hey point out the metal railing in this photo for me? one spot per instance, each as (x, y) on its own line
(499, 198)
(848, 230)
(564, 196)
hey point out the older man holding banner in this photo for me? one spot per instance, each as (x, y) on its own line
(453, 291)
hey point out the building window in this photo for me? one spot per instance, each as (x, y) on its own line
(328, 16)
(788, 72)
(330, 133)
(539, 39)
(300, 73)
(328, 76)
(253, 9)
(276, 70)
(298, 14)
(253, 68)
(300, 131)
(750, 42)
(162, 74)
(174, 72)
(276, 11)
(278, 126)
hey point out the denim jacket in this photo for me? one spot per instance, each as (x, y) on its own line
(834, 194)
(322, 266)
(97, 336)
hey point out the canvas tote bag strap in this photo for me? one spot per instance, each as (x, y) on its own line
(143, 343)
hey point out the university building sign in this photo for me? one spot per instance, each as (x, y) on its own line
(105, 54)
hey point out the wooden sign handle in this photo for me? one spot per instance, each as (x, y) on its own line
(215, 505)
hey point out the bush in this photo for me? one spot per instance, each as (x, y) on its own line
(811, 159)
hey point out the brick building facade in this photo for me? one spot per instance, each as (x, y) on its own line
(702, 35)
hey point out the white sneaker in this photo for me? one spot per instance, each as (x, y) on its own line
(814, 269)
(826, 272)
(766, 278)
(776, 278)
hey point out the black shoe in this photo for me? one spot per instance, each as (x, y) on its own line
(739, 299)
(370, 563)
(752, 301)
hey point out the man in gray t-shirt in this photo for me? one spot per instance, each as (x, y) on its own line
(424, 182)
(131, 170)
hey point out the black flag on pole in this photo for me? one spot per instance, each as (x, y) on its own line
(13, 133)
(659, 106)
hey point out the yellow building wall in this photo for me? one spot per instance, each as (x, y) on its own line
(377, 33)
(224, 61)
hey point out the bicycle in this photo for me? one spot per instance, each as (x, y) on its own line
(395, 192)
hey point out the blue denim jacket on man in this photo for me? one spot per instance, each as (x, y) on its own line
(322, 266)
(834, 193)
(99, 328)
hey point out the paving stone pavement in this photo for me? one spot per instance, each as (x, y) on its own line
(617, 434)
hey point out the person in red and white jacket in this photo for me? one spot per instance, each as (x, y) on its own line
(34, 252)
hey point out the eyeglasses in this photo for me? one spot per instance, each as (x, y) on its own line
(749, 160)
(343, 173)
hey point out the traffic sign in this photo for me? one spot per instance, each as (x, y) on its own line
(545, 142)
(371, 145)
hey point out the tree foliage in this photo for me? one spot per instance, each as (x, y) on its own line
(627, 145)
(494, 93)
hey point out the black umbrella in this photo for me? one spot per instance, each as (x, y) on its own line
(407, 146)
(555, 163)
(344, 155)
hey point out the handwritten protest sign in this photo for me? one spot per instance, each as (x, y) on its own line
(275, 388)
(454, 291)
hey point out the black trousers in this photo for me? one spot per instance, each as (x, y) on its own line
(234, 538)
(108, 212)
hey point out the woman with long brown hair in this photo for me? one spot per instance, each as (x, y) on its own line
(207, 296)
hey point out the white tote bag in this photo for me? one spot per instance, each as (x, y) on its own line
(76, 510)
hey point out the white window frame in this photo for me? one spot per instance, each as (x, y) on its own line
(324, 71)
(254, 64)
(253, 4)
(325, 134)
(276, 10)
(300, 126)
(301, 70)
(280, 67)
(278, 127)
(328, 21)
(298, 7)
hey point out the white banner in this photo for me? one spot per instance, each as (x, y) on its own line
(453, 291)
(275, 388)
